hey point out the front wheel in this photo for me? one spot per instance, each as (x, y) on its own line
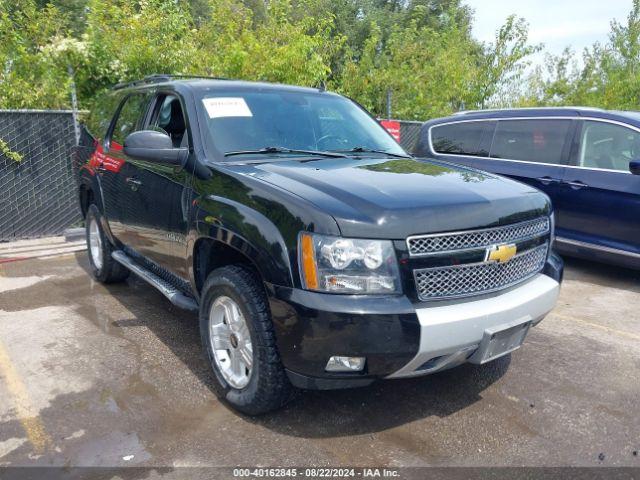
(239, 341)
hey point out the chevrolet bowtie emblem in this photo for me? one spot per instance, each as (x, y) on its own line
(500, 253)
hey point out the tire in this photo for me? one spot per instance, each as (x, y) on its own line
(103, 268)
(264, 386)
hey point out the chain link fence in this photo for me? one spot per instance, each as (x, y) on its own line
(409, 134)
(38, 191)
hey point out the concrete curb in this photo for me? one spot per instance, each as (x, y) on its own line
(73, 234)
(40, 248)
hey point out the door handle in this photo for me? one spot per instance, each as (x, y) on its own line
(547, 180)
(134, 182)
(577, 185)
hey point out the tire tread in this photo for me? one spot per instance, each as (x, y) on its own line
(273, 388)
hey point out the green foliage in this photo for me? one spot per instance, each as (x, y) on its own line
(28, 74)
(7, 152)
(421, 51)
(435, 68)
(503, 63)
(608, 75)
(234, 43)
(415, 63)
(124, 40)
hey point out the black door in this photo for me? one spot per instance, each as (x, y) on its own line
(158, 219)
(114, 169)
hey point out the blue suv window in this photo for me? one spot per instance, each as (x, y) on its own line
(464, 138)
(540, 141)
(608, 146)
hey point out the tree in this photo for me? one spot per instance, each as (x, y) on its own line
(620, 64)
(420, 49)
(553, 82)
(232, 43)
(503, 63)
(411, 62)
(607, 76)
(29, 78)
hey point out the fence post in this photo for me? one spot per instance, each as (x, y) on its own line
(74, 105)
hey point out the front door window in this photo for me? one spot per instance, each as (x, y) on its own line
(130, 119)
(170, 119)
(608, 146)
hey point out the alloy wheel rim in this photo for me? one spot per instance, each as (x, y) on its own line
(230, 342)
(95, 244)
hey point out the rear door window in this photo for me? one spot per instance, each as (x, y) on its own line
(540, 141)
(464, 138)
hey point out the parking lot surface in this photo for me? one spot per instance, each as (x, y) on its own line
(114, 376)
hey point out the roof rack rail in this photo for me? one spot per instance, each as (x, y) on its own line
(163, 77)
(496, 110)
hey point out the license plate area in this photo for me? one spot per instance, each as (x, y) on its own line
(499, 341)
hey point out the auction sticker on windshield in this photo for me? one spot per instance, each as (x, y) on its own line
(219, 107)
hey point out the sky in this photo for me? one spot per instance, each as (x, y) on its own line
(556, 23)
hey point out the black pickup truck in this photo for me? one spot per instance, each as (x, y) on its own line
(318, 253)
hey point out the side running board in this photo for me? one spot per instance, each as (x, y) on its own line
(174, 295)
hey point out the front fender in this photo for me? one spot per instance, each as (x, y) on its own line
(247, 231)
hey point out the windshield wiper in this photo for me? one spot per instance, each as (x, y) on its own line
(373, 150)
(267, 150)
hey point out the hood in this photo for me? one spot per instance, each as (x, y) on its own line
(395, 198)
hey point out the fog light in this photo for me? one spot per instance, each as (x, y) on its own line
(345, 364)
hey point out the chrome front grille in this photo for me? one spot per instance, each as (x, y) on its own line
(477, 278)
(423, 245)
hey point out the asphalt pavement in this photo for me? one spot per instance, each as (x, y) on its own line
(95, 375)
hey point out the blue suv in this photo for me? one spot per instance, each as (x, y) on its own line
(587, 160)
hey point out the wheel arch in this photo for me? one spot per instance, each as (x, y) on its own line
(90, 191)
(210, 253)
(226, 231)
(86, 198)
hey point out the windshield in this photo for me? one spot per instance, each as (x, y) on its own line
(242, 122)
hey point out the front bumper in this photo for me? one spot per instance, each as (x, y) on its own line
(398, 338)
(311, 327)
(450, 334)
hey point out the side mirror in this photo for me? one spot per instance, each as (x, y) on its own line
(634, 167)
(154, 146)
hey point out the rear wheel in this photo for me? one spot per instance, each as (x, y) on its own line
(103, 267)
(239, 341)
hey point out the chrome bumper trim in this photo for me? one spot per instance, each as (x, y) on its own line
(459, 328)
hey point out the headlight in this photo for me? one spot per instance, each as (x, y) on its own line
(347, 265)
(552, 227)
